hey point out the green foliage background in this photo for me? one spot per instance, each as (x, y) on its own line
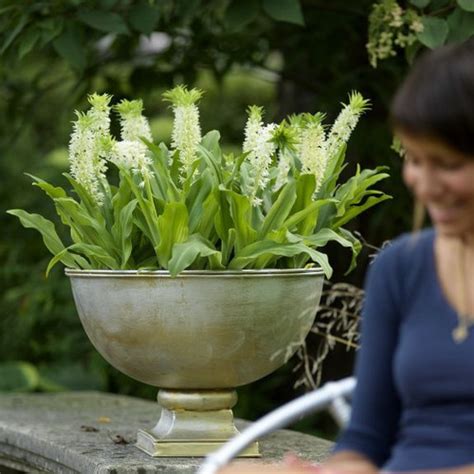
(286, 55)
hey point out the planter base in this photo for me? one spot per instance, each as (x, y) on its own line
(192, 423)
(148, 443)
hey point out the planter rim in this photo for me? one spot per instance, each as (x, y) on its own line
(265, 272)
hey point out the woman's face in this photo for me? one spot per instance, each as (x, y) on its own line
(442, 179)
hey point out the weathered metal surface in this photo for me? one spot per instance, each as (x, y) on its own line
(198, 336)
(204, 330)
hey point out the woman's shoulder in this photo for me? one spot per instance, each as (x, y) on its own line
(413, 246)
(400, 267)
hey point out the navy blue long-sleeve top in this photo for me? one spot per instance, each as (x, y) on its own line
(413, 407)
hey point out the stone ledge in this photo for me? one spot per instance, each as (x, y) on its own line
(57, 433)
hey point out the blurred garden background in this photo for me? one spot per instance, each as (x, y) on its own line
(286, 55)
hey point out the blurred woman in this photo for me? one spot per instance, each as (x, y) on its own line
(413, 407)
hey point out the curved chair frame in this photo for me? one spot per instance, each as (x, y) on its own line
(331, 397)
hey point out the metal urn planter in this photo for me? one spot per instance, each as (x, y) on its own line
(197, 337)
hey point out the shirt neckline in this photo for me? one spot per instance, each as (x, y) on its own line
(436, 278)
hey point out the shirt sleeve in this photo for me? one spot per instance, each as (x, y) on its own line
(376, 406)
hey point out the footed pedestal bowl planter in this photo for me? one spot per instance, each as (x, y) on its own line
(197, 337)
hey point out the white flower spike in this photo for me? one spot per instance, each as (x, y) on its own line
(260, 147)
(314, 149)
(186, 134)
(86, 147)
(345, 123)
(133, 124)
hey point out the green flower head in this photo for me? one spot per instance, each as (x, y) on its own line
(285, 137)
(180, 96)
(129, 108)
(100, 101)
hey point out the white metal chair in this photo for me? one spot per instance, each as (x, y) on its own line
(331, 397)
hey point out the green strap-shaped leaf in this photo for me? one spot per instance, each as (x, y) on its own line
(122, 196)
(212, 161)
(210, 142)
(163, 186)
(47, 230)
(52, 191)
(360, 182)
(93, 230)
(356, 210)
(228, 246)
(356, 247)
(310, 210)
(185, 253)
(94, 252)
(81, 261)
(122, 230)
(248, 254)
(234, 177)
(265, 260)
(86, 199)
(252, 251)
(208, 214)
(280, 210)
(173, 229)
(103, 215)
(149, 223)
(321, 238)
(198, 193)
(222, 220)
(331, 175)
(356, 189)
(305, 187)
(320, 258)
(345, 193)
(140, 223)
(241, 213)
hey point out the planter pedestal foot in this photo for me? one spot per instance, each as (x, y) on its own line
(192, 423)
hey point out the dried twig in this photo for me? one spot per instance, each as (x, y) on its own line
(337, 321)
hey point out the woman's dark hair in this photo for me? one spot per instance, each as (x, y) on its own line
(437, 97)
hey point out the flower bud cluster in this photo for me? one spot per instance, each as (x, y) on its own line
(390, 26)
(133, 124)
(345, 123)
(302, 136)
(91, 144)
(131, 152)
(186, 134)
(317, 149)
(313, 151)
(260, 147)
(86, 150)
